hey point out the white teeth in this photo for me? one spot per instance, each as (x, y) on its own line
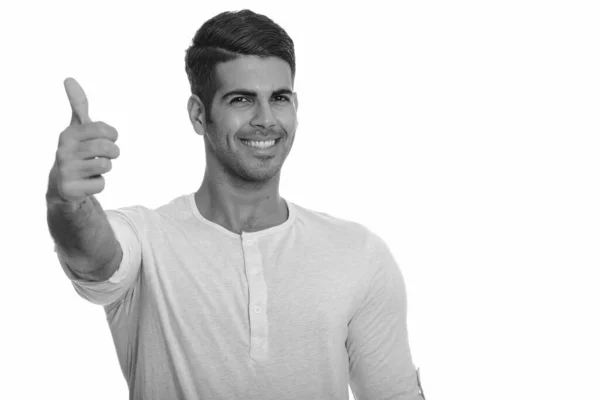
(261, 145)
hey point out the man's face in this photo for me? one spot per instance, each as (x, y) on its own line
(254, 101)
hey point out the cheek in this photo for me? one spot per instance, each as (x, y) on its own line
(228, 125)
(236, 120)
(288, 120)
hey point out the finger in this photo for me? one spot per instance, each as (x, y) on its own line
(92, 168)
(94, 185)
(88, 187)
(78, 101)
(97, 148)
(107, 131)
(90, 131)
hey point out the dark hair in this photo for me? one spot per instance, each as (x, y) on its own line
(224, 38)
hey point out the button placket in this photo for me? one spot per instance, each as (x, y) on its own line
(258, 299)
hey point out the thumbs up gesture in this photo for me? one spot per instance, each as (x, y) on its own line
(85, 150)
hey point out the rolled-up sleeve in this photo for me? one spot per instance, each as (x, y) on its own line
(125, 277)
(380, 359)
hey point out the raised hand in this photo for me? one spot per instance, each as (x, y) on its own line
(85, 150)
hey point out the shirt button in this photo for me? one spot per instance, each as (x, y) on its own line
(249, 242)
(257, 310)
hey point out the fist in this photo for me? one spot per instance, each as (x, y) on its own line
(85, 150)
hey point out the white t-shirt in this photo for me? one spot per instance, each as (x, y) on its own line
(295, 311)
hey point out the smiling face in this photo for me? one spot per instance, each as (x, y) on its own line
(254, 100)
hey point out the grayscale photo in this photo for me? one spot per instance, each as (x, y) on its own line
(287, 201)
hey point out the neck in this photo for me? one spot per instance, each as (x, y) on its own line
(241, 206)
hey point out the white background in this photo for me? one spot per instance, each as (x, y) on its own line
(465, 133)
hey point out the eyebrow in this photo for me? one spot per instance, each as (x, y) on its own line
(249, 93)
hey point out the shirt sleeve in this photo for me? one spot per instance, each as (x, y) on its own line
(125, 277)
(381, 366)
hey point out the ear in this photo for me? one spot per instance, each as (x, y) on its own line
(295, 100)
(197, 114)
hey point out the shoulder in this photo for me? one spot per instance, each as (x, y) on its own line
(139, 215)
(349, 233)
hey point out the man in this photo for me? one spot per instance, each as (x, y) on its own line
(232, 291)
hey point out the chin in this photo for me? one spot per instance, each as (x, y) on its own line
(260, 175)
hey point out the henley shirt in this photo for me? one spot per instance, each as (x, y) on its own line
(299, 311)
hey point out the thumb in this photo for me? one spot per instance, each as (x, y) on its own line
(79, 102)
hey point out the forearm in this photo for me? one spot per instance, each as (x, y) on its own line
(84, 238)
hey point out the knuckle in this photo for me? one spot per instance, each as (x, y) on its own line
(91, 128)
(93, 148)
(66, 136)
(63, 137)
(101, 146)
(62, 155)
(105, 147)
(61, 170)
(114, 134)
(107, 130)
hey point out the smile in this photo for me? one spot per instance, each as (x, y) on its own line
(260, 144)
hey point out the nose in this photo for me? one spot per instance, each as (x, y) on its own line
(263, 116)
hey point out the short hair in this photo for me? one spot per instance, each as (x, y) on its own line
(227, 36)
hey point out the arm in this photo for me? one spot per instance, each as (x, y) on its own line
(84, 238)
(381, 366)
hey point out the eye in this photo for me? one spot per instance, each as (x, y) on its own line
(281, 98)
(238, 100)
